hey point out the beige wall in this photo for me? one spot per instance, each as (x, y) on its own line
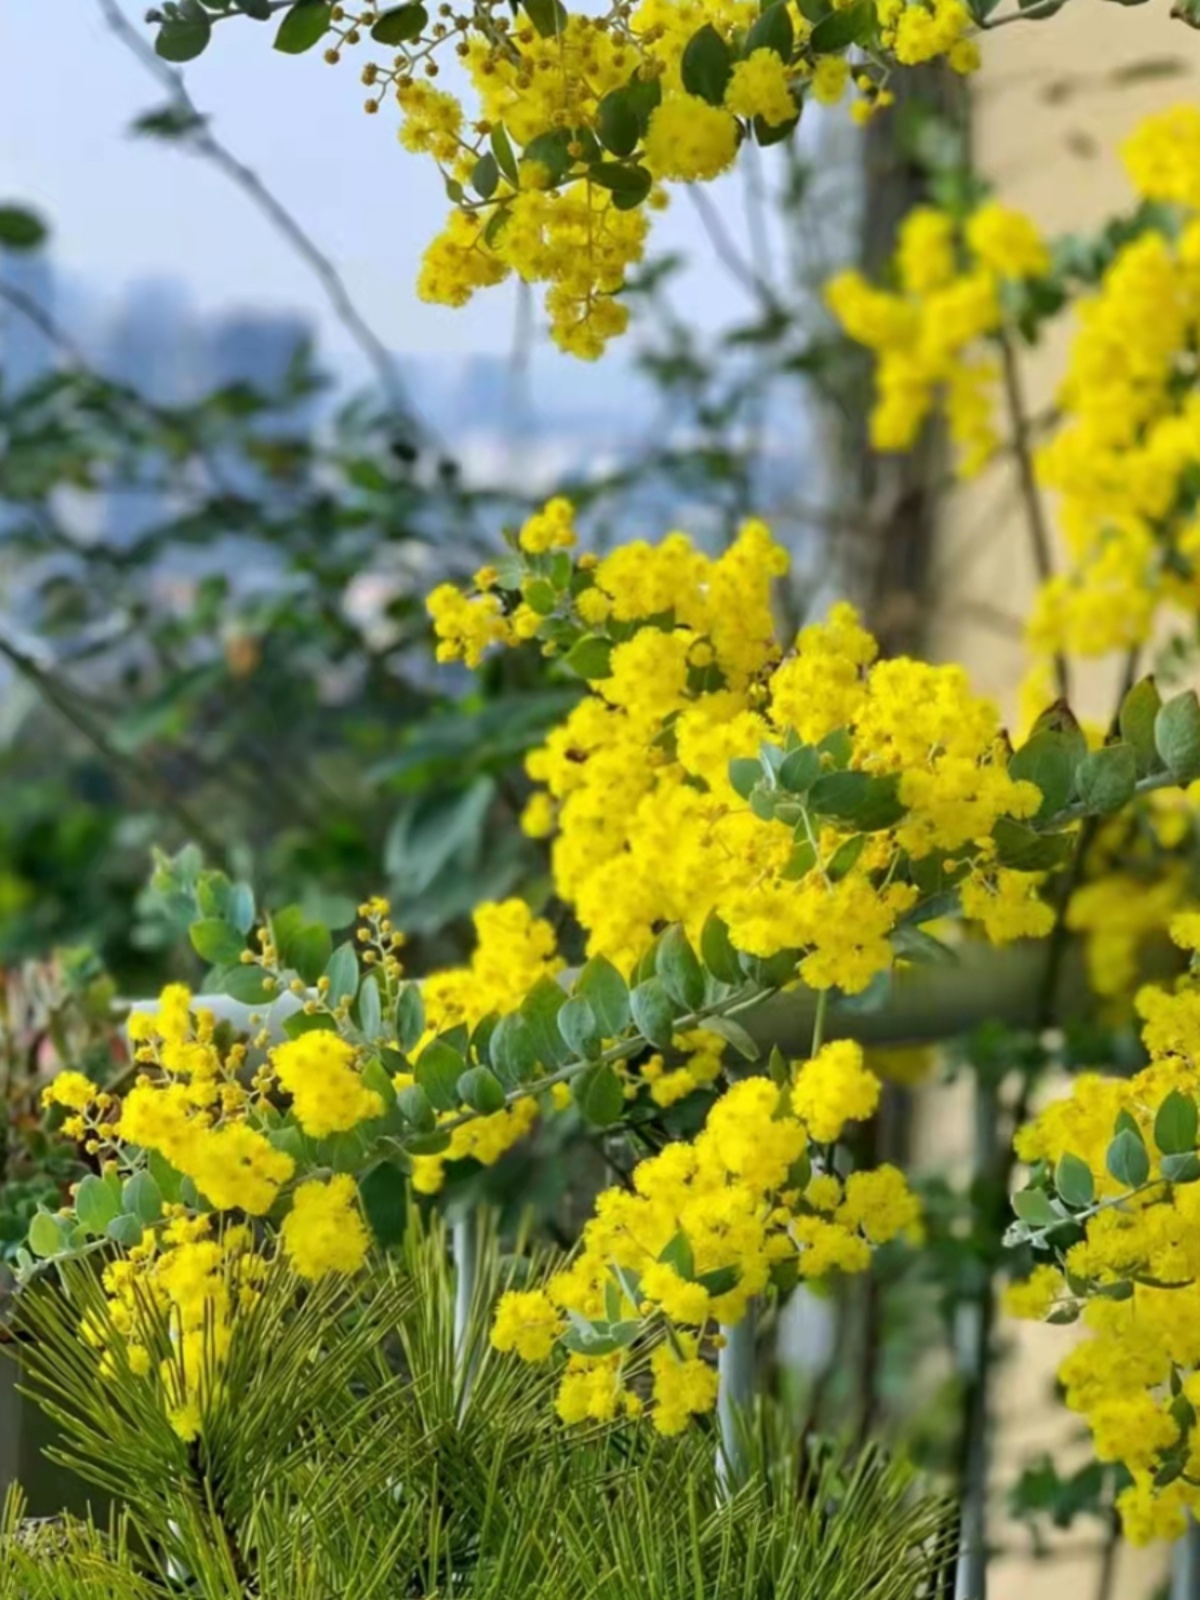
(1052, 105)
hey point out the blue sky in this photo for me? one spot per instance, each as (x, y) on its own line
(126, 209)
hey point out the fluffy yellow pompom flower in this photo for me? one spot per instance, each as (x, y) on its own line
(551, 528)
(834, 1088)
(1033, 1297)
(689, 140)
(70, 1089)
(329, 1096)
(683, 1388)
(323, 1232)
(465, 627)
(1162, 156)
(1007, 241)
(829, 80)
(758, 87)
(527, 1323)
(237, 1166)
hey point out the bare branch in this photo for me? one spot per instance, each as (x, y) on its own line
(200, 138)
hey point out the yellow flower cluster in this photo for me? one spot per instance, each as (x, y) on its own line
(1122, 461)
(514, 949)
(637, 787)
(187, 1288)
(1135, 1275)
(193, 1110)
(319, 1071)
(933, 335)
(324, 1232)
(572, 122)
(707, 1226)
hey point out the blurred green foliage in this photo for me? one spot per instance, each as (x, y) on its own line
(214, 631)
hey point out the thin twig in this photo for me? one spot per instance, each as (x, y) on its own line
(1035, 511)
(204, 142)
(728, 253)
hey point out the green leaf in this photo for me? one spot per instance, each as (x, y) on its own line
(590, 658)
(867, 801)
(769, 133)
(512, 1051)
(745, 774)
(97, 1202)
(126, 1231)
(599, 1094)
(46, 1237)
(503, 151)
(370, 1008)
(481, 1089)
(654, 1013)
(240, 911)
(184, 37)
(485, 176)
(1022, 847)
(1047, 760)
(169, 1180)
(719, 1281)
(607, 993)
(383, 1191)
(843, 860)
(1138, 714)
(628, 183)
(540, 1009)
(646, 97)
(1074, 1182)
(717, 950)
(1176, 1123)
(677, 1254)
(1177, 736)
(549, 17)
(772, 31)
(300, 1023)
(617, 122)
(578, 1025)
(248, 985)
(800, 768)
(142, 1198)
(1127, 1159)
(1035, 1207)
(437, 1071)
(305, 25)
(914, 944)
(400, 25)
(20, 229)
(376, 1076)
(734, 1034)
(1183, 1168)
(681, 973)
(551, 150)
(342, 972)
(309, 951)
(410, 1016)
(1106, 779)
(216, 942)
(414, 1106)
(853, 25)
(706, 65)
